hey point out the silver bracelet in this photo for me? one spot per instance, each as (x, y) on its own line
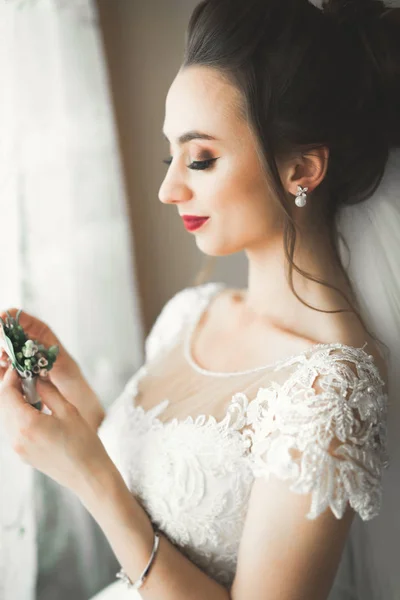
(138, 584)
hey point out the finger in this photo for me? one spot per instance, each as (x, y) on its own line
(12, 379)
(3, 343)
(52, 397)
(4, 362)
(11, 390)
(3, 370)
(11, 398)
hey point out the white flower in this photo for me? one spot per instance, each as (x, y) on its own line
(29, 349)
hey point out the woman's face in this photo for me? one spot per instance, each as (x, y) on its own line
(226, 182)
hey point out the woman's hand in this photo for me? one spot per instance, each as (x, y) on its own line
(61, 444)
(66, 374)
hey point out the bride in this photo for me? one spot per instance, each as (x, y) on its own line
(247, 458)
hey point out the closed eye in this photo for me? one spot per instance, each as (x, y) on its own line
(196, 165)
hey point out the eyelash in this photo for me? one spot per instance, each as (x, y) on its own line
(196, 165)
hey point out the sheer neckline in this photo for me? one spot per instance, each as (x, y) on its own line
(192, 326)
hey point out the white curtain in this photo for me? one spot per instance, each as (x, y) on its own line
(66, 256)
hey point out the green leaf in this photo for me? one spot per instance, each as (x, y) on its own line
(53, 351)
(10, 348)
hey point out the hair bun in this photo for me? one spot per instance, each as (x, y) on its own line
(354, 11)
(379, 40)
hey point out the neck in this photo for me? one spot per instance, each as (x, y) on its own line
(269, 295)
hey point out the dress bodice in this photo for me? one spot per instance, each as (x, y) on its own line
(189, 443)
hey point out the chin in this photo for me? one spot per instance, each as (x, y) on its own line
(217, 250)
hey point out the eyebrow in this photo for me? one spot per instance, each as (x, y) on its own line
(191, 135)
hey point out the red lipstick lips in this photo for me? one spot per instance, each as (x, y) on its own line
(191, 222)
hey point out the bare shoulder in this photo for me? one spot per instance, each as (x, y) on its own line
(226, 322)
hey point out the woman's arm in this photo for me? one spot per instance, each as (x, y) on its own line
(282, 554)
(129, 531)
(317, 461)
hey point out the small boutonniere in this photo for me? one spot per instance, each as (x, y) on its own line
(28, 357)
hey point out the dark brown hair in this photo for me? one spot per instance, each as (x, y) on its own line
(309, 77)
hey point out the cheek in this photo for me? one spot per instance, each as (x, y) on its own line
(240, 218)
(234, 186)
(239, 202)
(243, 194)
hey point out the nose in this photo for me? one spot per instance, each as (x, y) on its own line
(173, 191)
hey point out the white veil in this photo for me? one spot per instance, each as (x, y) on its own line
(372, 232)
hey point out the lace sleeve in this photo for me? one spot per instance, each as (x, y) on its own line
(325, 432)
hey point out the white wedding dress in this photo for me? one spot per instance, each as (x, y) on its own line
(193, 474)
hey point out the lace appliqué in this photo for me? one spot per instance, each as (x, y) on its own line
(325, 430)
(192, 479)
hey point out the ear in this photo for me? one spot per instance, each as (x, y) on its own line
(307, 170)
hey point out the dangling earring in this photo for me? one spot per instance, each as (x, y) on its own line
(301, 196)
